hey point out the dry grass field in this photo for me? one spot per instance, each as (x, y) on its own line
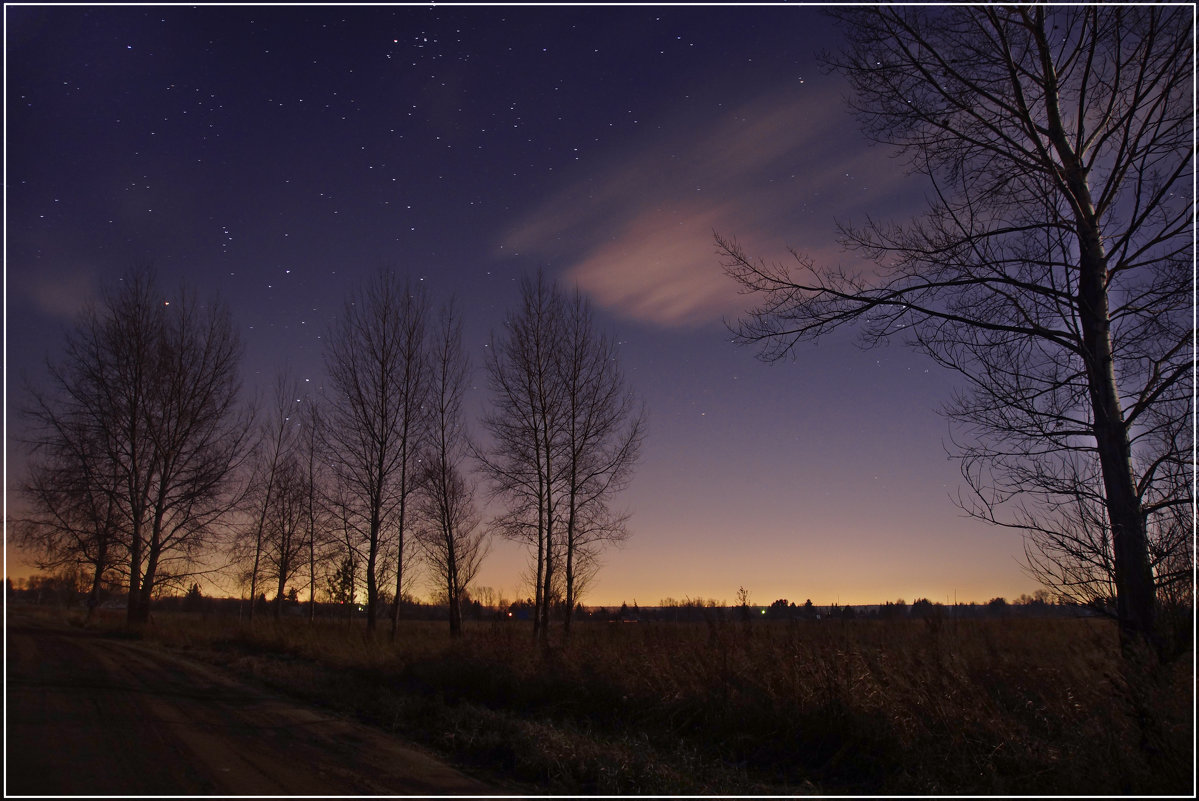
(1015, 706)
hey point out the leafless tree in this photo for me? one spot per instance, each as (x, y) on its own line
(414, 387)
(565, 434)
(522, 460)
(373, 358)
(74, 519)
(449, 534)
(149, 387)
(274, 448)
(602, 427)
(318, 519)
(1068, 538)
(1052, 268)
(343, 567)
(285, 538)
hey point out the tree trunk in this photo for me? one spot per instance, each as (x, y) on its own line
(140, 616)
(570, 574)
(453, 593)
(547, 586)
(547, 577)
(395, 617)
(132, 615)
(93, 595)
(311, 543)
(537, 599)
(372, 588)
(280, 588)
(1134, 578)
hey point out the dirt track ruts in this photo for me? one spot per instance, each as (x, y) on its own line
(89, 715)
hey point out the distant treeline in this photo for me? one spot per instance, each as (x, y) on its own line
(699, 610)
(54, 590)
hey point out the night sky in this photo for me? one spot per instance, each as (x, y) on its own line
(279, 155)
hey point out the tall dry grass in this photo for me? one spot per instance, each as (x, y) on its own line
(965, 707)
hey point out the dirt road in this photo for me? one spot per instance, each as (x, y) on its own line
(88, 715)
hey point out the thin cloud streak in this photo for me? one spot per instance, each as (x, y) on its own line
(636, 234)
(62, 294)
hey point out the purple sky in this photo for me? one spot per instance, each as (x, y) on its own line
(278, 155)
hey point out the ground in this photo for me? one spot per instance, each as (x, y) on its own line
(99, 716)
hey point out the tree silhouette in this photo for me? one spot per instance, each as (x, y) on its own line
(317, 516)
(370, 430)
(449, 533)
(522, 462)
(602, 429)
(277, 439)
(75, 518)
(145, 399)
(565, 433)
(1052, 268)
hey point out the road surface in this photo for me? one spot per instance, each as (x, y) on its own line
(88, 715)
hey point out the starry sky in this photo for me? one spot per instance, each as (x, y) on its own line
(278, 155)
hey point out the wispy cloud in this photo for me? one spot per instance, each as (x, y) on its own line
(60, 293)
(636, 233)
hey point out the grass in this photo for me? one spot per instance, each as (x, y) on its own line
(990, 707)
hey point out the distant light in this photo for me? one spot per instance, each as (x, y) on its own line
(166, 303)
(763, 611)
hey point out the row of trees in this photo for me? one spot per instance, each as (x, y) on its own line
(1052, 270)
(148, 469)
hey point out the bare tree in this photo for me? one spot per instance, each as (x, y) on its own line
(450, 537)
(1052, 269)
(522, 460)
(284, 542)
(343, 567)
(148, 387)
(414, 387)
(318, 520)
(1068, 540)
(373, 362)
(602, 428)
(277, 440)
(74, 519)
(565, 431)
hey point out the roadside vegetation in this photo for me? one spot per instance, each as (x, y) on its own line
(930, 706)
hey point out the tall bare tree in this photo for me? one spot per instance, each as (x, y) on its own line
(522, 460)
(372, 353)
(318, 521)
(602, 428)
(73, 519)
(414, 385)
(1052, 269)
(565, 434)
(285, 541)
(278, 433)
(149, 387)
(449, 535)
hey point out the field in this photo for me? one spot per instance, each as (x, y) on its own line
(1018, 706)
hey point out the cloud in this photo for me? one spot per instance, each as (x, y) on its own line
(661, 268)
(60, 294)
(636, 232)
